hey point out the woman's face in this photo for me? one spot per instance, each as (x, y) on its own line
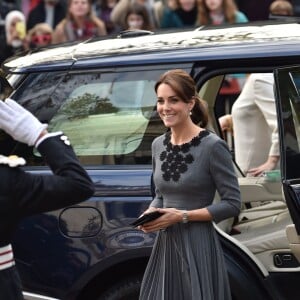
(79, 8)
(17, 32)
(41, 39)
(173, 111)
(135, 21)
(13, 25)
(187, 5)
(214, 5)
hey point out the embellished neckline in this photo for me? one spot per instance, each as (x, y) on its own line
(194, 141)
(176, 158)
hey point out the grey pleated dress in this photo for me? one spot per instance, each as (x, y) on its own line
(187, 261)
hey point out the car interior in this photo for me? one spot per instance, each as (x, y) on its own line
(264, 218)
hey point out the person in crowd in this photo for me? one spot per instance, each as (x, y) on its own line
(182, 14)
(253, 122)
(40, 36)
(190, 164)
(47, 11)
(27, 5)
(255, 10)
(120, 11)
(103, 9)
(281, 8)
(15, 35)
(23, 194)
(216, 12)
(137, 18)
(80, 23)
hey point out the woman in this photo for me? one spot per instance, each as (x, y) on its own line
(40, 36)
(189, 165)
(218, 12)
(254, 121)
(137, 18)
(79, 24)
(120, 11)
(15, 35)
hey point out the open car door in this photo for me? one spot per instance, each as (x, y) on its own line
(287, 91)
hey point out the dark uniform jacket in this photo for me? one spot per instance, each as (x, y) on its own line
(23, 194)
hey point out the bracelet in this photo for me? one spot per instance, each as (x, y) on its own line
(185, 218)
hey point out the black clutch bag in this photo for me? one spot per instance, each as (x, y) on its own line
(146, 218)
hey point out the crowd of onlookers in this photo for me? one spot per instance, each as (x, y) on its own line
(37, 23)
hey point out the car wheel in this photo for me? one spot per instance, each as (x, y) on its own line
(127, 289)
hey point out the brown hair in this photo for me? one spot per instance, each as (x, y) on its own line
(229, 10)
(90, 13)
(141, 11)
(184, 86)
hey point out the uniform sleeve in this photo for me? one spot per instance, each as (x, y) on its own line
(69, 184)
(157, 200)
(225, 180)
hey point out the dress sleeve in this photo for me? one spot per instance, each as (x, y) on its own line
(225, 180)
(158, 199)
(68, 185)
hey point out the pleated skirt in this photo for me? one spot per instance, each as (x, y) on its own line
(187, 263)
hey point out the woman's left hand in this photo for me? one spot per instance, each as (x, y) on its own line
(170, 216)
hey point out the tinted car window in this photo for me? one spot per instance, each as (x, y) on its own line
(109, 117)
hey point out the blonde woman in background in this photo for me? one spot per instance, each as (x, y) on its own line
(79, 24)
(40, 35)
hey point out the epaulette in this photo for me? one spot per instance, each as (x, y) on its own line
(12, 160)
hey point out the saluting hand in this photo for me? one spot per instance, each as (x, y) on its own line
(19, 123)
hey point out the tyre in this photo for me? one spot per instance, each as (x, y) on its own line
(127, 289)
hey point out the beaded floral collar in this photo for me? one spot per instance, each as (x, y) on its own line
(176, 158)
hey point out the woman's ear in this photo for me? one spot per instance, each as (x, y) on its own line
(192, 103)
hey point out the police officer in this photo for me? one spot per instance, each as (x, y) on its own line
(23, 194)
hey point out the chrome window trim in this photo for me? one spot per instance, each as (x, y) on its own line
(30, 296)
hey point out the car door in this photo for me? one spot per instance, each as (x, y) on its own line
(287, 91)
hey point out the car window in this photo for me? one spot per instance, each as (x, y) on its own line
(109, 117)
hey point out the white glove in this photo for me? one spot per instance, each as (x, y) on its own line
(19, 123)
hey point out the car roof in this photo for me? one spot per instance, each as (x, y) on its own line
(244, 39)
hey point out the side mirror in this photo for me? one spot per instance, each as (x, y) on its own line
(5, 88)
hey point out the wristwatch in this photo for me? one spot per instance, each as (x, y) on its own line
(185, 218)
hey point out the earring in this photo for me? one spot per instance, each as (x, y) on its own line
(191, 113)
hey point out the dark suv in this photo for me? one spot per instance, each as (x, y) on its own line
(100, 93)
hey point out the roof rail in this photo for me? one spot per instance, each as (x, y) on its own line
(134, 33)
